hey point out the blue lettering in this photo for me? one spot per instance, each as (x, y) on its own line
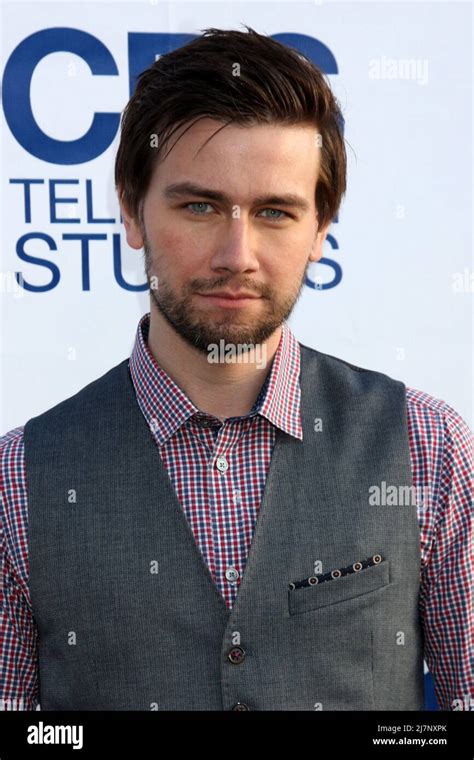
(17, 103)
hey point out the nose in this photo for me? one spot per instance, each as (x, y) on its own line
(235, 248)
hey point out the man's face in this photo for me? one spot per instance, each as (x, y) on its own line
(255, 238)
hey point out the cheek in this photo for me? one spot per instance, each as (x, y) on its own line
(178, 241)
(288, 275)
(299, 249)
(169, 246)
(179, 255)
(290, 245)
(167, 239)
(286, 255)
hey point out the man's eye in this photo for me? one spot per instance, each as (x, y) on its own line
(198, 203)
(276, 211)
(198, 209)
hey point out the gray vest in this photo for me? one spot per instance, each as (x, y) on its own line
(129, 617)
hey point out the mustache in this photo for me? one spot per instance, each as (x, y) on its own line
(201, 286)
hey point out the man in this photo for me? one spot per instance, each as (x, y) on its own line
(192, 534)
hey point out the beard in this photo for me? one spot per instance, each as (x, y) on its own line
(201, 328)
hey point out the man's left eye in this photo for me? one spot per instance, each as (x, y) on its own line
(275, 211)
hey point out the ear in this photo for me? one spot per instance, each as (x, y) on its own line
(317, 247)
(133, 229)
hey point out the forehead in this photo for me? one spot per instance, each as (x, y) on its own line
(209, 151)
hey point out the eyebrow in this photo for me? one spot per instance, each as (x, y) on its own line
(188, 188)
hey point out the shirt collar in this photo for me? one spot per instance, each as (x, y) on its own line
(166, 407)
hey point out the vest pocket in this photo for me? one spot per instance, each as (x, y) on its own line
(339, 589)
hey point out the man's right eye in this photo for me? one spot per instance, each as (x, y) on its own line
(197, 203)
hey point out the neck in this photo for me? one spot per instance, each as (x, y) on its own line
(223, 390)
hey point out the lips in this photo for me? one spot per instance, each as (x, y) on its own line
(230, 295)
(229, 301)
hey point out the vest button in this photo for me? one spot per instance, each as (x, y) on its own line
(236, 655)
(240, 706)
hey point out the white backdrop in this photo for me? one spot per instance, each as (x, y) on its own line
(404, 235)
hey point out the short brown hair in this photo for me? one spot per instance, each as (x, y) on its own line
(276, 85)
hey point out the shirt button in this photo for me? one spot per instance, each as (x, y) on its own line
(236, 655)
(222, 464)
(153, 425)
(240, 706)
(231, 574)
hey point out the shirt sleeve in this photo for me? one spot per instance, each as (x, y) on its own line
(446, 592)
(18, 631)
